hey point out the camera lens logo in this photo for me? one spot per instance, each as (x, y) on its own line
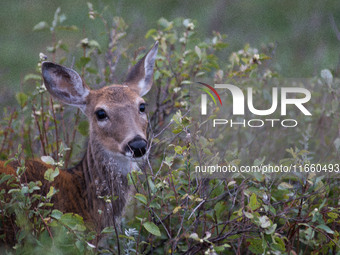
(204, 97)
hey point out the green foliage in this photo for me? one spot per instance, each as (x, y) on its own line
(174, 210)
(152, 228)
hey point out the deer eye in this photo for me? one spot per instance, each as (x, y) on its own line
(142, 107)
(101, 114)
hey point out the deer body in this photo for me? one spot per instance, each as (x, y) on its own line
(117, 140)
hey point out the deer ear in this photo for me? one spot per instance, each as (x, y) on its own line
(141, 75)
(65, 84)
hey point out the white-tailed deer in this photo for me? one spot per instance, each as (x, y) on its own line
(117, 138)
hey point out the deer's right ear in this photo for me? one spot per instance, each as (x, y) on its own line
(65, 84)
(141, 75)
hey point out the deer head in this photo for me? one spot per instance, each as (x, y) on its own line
(116, 113)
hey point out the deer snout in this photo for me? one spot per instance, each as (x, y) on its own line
(137, 147)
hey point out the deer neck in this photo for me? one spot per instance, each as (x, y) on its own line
(105, 177)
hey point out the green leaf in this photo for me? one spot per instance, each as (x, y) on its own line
(68, 28)
(248, 215)
(72, 220)
(32, 77)
(127, 237)
(13, 191)
(271, 229)
(141, 198)
(51, 49)
(177, 131)
(108, 230)
(5, 178)
(333, 215)
(64, 47)
(272, 209)
(90, 6)
(265, 221)
(198, 52)
(152, 228)
(56, 214)
(217, 191)
(222, 45)
(47, 159)
(219, 209)
(337, 144)
(130, 181)
(194, 236)
(51, 192)
(83, 62)
(151, 185)
(133, 177)
(317, 217)
(279, 245)
(91, 70)
(177, 209)
(62, 18)
(22, 234)
(95, 44)
(325, 228)
(56, 17)
(22, 99)
(255, 246)
(258, 162)
(186, 22)
(285, 185)
(91, 245)
(9, 161)
(24, 190)
(140, 219)
(50, 174)
(221, 248)
(179, 150)
(327, 76)
(264, 57)
(55, 173)
(259, 176)
(169, 160)
(164, 23)
(150, 32)
(154, 204)
(83, 128)
(80, 246)
(41, 26)
(253, 202)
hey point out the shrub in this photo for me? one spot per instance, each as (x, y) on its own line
(174, 210)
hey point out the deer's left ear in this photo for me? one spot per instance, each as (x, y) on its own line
(141, 75)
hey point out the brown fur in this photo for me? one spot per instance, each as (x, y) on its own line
(106, 163)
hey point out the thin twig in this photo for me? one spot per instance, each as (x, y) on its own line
(67, 158)
(271, 56)
(325, 235)
(98, 230)
(334, 26)
(115, 227)
(40, 134)
(162, 223)
(48, 229)
(6, 132)
(56, 129)
(44, 133)
(3, 224)
(164, 129)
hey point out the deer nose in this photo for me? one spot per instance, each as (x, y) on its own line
(137, 146)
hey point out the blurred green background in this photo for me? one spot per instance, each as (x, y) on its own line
(306, 40)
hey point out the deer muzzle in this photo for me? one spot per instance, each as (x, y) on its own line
(137, 147)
